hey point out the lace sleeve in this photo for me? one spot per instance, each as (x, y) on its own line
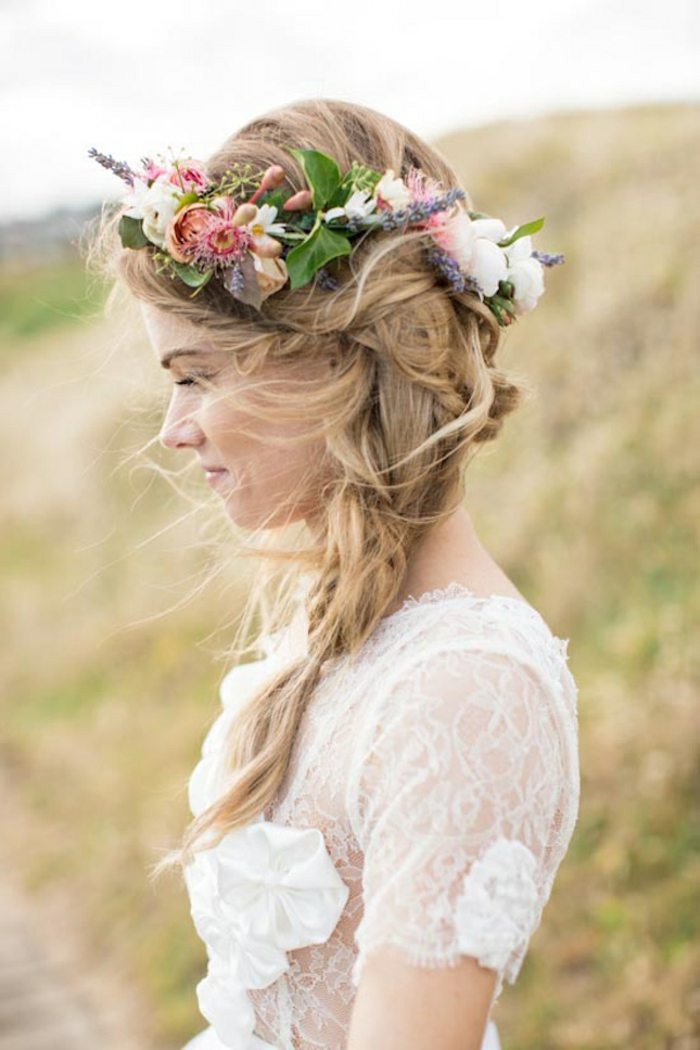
(456, 784)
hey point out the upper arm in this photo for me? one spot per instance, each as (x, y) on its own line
(400, 1006)
(455, 789)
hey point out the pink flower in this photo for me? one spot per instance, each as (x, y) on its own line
(422, 187)
(225, 240)
(152, 170)
(222, 239)
(189, 176)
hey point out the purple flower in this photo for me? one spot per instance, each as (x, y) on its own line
(418, 211)
(450, 269)
(324, 279)
(120, 168)
(548, 259)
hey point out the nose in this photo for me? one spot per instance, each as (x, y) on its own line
(179, 429)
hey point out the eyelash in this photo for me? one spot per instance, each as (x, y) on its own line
(189, 380)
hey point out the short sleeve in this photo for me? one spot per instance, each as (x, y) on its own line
(455, 793)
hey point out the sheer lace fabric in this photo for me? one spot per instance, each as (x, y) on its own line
(440, 765)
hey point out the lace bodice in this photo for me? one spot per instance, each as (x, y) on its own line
(436, 774)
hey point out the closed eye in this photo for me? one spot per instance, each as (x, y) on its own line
(189, 380)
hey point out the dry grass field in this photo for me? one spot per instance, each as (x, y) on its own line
(590, 500)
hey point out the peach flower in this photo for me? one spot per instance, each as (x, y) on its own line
(271, 273)
(185, 229)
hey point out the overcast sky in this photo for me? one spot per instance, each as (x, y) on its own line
(140, 76)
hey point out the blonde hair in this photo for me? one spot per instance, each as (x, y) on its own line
(407, 388)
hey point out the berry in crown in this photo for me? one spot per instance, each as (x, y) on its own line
(254, 236)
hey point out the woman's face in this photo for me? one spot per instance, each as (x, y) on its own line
(264, 479)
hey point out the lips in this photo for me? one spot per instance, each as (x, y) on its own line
(214, 477)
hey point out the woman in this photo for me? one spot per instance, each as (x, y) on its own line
(385, 798)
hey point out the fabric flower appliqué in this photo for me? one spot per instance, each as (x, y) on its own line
(263, 890)
(498, 907)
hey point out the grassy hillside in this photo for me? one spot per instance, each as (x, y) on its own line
(589, 500)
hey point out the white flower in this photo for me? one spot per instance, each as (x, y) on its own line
(358, 206)
(498, 908)
(394, 191)
(472, 242)
(488, 263)
(492, 229)
(264, 222)
(155, 204)
(526, 274)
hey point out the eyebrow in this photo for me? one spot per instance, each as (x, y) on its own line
(180, 352)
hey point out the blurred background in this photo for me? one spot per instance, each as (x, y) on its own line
(585, 112)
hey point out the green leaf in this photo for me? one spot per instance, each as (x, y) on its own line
(131, 232)
(321, 172)
(318, 249)
(190, 274)
(359, 177)
(522, 231)
(275, 198)
(188, 198)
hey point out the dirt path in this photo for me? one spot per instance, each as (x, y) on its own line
(40, 1007)
(49, 998)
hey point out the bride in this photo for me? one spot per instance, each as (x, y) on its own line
(385, 797)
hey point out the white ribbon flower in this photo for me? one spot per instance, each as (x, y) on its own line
(206, 782)
(498, 907)
(281, 883)
(261, 891)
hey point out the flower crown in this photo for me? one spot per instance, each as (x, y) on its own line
(228, 228)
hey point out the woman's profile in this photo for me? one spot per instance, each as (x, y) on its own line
(385, 797)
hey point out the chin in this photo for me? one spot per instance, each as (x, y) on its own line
(268, 518)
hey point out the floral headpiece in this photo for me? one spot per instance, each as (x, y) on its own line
(228, 228)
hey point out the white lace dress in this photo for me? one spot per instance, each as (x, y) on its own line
(432, 794)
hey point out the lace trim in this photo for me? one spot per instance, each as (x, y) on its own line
(460, 590)
(558, 647)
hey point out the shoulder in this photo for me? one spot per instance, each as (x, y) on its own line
(469, 687)
(460, 636)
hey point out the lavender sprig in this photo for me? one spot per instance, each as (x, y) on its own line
(548, 259)
(234, 281)
(325, 280)
(419, 210)
(449, 267)
(119, 167)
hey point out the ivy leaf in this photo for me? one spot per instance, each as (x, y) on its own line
(522, 231)
(321, 172)
(190, 274)
(318, 249)
(131, 232)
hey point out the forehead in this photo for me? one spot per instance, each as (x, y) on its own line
(171, 337)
